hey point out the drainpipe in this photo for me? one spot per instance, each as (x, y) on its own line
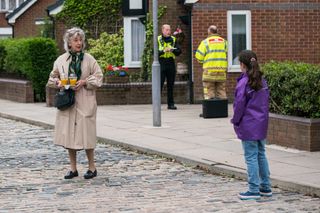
(189, 4)
(53, 24)
(191, 97)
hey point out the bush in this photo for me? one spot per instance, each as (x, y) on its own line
(33, 58)
(43, 52)
(294, 88)
(17, 56)
(108, 49)
(2, 57)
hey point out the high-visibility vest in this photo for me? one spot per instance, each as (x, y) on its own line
(162, 44)
(212, 53)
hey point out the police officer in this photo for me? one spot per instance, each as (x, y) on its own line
(168, 50)
(212, 54)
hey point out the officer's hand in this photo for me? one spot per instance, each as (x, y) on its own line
(167, 49)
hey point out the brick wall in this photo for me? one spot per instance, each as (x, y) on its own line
(138, 93)
(281, 30)
(130, 93)
(3, 21)
(36, 11)
(16, 90)
(294, 132)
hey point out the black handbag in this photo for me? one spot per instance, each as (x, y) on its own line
(64, 99)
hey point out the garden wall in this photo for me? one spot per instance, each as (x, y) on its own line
(294, 132)
(16, 90)
(131, 93)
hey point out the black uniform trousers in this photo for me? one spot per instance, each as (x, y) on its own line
(168, 71)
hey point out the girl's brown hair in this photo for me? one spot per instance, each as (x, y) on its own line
(249, 58)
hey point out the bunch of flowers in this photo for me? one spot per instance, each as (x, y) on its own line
(179, 35)
(115, 71)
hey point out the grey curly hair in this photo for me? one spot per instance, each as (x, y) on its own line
(71, 33)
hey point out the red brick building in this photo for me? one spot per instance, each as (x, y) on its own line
(28, 18)
(275, 29)
(5, 29)
(7, 6)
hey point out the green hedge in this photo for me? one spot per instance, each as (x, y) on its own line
(2, 57)
(294, 88)
(33, 58)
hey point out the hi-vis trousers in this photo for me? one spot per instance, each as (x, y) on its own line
(214, 90)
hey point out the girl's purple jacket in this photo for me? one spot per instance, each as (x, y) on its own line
(251, 110)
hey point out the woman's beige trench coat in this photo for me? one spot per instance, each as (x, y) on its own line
(75, 128)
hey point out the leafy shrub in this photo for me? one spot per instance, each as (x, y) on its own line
(17, 56)
(43, 52)
(2, 57)
(94, 17)
(33, 58)
(294, 88)
(108, 49)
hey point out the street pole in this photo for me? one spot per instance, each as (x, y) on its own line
(156, 93)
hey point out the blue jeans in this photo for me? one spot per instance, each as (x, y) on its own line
(257, 165)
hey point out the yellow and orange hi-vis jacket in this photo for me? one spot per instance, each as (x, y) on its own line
(212, 53)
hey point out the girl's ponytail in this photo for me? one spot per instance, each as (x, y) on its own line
(255, 75)
(249, 58)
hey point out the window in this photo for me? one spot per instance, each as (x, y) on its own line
(10, 5)
(134, 38)
(3, 5)
(239, 36)
(5, 32)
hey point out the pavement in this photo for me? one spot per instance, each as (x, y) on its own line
(210, 144)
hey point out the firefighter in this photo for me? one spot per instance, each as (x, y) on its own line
(168, 50)
(212, 54)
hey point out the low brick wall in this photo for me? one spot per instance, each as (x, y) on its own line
(50, 93)
(131, 93)
(16, 90)
(294, 132)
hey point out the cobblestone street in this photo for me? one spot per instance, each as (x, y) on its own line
(32, 171)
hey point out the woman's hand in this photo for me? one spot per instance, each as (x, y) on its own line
(80, 84)
(59, 84)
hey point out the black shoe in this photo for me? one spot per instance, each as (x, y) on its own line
(71, 175)
(172, 107)
(89, 174)
(201, 115)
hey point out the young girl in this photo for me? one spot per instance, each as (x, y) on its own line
(250, 121)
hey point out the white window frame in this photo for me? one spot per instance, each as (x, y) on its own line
(236, 68)
(7, 6)
(6, 31)
(17, 5)
(127, 43)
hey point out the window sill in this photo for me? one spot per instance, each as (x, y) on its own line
(234, 69)
(133, 64)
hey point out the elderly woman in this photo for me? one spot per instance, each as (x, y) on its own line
(75, 127)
